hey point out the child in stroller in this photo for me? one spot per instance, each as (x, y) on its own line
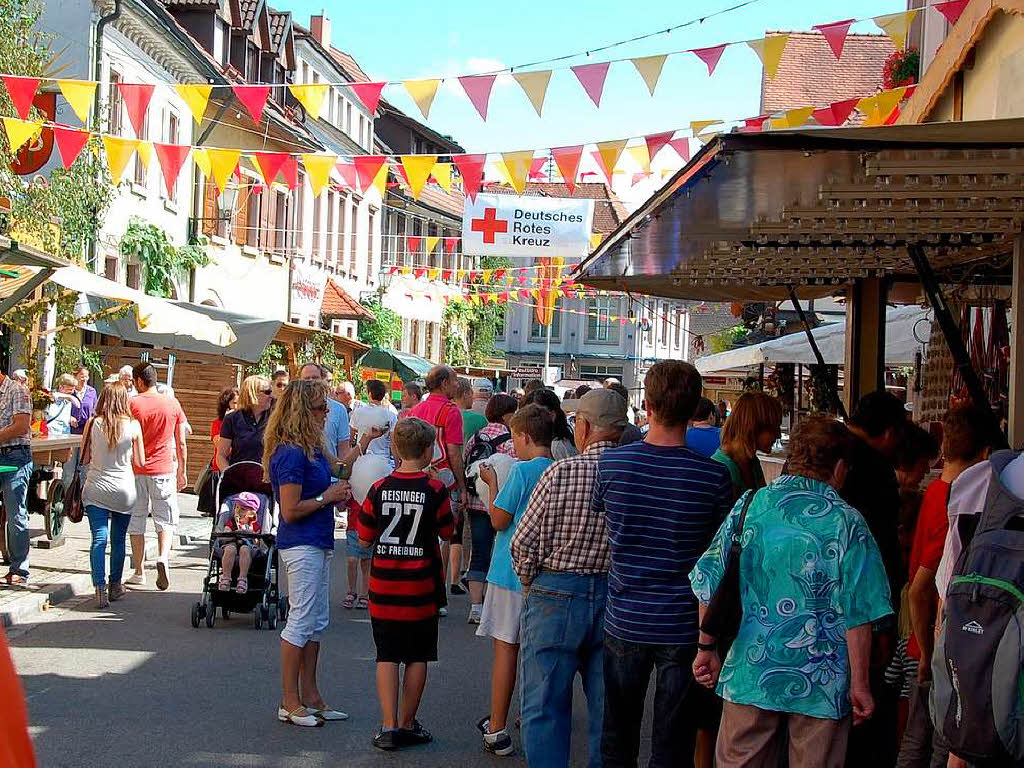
(244, 514)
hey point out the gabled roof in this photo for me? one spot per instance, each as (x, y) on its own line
(338, 303)
(809, 73)
(280, 23)
(249, 10)
(350, 66)
(433, 196)
(609, 211)
(388, 110)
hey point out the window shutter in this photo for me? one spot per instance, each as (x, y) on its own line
(240, 234)
(267, 216)
(209, 208)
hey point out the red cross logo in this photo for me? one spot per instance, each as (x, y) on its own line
(489, 225)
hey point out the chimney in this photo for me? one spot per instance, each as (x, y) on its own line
(320, 26)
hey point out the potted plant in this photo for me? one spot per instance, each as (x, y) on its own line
(901, 68)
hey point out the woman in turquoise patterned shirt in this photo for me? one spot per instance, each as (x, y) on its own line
(811, 583)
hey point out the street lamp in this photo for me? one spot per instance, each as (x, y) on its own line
(226, 202)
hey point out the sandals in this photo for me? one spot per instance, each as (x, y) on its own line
(242, 586)
(224, 584)
(349, 602)
(363, 603)
(299, 716)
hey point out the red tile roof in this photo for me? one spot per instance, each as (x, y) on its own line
(609, 211)
(350, 66)
(279, 21)
(338, 303)
(810, 75)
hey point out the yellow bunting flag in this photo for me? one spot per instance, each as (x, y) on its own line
(434, 273)
(432, 241)
(443, 175)
(769, 50)
(640, 156)
(196, 97)
(318, 168)
(145, 150)
(422, 92)
(649, 68)
(79, 94)
(517, 168)
(202, 160)
(222, 164)
(119, 151)
(696, 126)
(380, 181)
(19, 131)
(887, 101)
(311, 96)
(595, 240)
(609, 151)
(487, 275)
(896, 25)
(797, 117)
(535, 86)
(868, 106)
(417, 171)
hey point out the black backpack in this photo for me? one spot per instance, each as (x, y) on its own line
(977, 698)
(483, 448)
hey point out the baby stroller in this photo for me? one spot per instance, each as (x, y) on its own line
(262, 597)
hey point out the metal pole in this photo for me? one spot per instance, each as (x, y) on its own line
(547, 346)
(833, 393)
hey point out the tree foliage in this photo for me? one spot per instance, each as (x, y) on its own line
(385, 330)
(469, 330)
(728, 339)
(161, 259)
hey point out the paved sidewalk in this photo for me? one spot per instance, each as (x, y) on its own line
(61, 573)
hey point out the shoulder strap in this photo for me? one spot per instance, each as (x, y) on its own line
(737, 535)
(497, 440)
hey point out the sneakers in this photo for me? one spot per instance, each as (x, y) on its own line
(386, 740)
(475, 611)
(442, 611)
(415, 736)
(116, 592)
(499, 743)
(136, 579)
(162, 581)
(101, 598)
(456, 589)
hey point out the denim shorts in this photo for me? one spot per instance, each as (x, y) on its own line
(352, 548)
(309, 601)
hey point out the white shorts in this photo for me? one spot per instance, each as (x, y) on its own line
(156, 495)
(309, 593)
(501, 613)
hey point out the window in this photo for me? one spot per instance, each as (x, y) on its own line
(539, 332)
(134, 275)
(499, 327)
(110, 265)
(679, 327)
(140, 168)
(114, 104)
(213, 224)
(664, 323)
(329, 237)
(600, 328)
(414, 336)
(600, 372)
(171, 138)
(348, 118)
(364, 132)
(428, 347)
(282, 232)
(252, 63)
(300, 204)
(339, 238)
(330, 107)
(305, 73)
(317, 248)
(220, 47)
(373, 223)
(353, 207)
(254, 204)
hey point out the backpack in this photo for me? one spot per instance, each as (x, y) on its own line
(483, 448)
(977, 699)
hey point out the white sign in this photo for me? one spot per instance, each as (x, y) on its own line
(308, 285)
(507, 225)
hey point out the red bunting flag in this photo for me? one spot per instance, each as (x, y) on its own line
(269, 164)
(591, 77)
(524, 294)
(655, 142)
(412, 244)
(824, 116)
(420, 273)
(348, 174)
(368, 93)
(290, 171)
(253, 98)
(638, 177)
(450, 243)
(136, 98)
(568, 161)
(952, 9)
(841, 110)
(171, 157)
(682, 148)
(471, 168)
(709, 56)
(755, 124)
(835, 34)
(367, 167)
(70, 143)
(478, 89)
(535, 169)
(22, 91)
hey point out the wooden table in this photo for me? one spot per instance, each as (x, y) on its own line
(54, 448)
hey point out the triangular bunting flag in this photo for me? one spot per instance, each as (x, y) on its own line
(70, 143)
(449, 246)
(367, 167)
(442, 174)
(79, 94)
(682, 148)
(640, 156)
(422, 92)
(887, 101)
(432, 241)
(412, 243)
(290, 172)
(536, 166)
(471, 168)
(19, 132)
(269, 164)
(709, 56)
(754, 124)
(835, 34)
(696, 126)
(196, 97)
(145, 153)
(591, 77)
(22, 91)
(868, 106)
(222, 164)
(136, 98)
(896, 25)
(824, 116)
(369, 94)
(841, 110)
(478, 89)
(380, 181)
(769, 50)
(311, 96)
(202, 160)
(798, 117)
(649, 68)
(952, 9)
(608, 153)
(656, 141)
(119, 152)
(535, 86)
(417, 171)
(318, 169)
(349, 177)
(253, 98)
(171, 157)
(517, 166)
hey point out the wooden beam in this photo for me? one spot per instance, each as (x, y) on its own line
(865, 339)
(1016, 414)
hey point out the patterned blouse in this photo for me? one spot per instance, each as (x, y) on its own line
(809, 571)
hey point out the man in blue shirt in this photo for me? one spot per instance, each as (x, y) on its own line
(704, 435)
(337, 430)
(662, 504)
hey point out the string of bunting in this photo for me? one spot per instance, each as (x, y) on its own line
(477, 87)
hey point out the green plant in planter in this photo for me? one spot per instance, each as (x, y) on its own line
(161, 259)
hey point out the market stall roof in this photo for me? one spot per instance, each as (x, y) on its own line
(406, 365)
(904, 326)
(15, 254)
(753, 213)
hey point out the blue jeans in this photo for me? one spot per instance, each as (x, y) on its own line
(98, 522)
(627, 672)
(562, 634)
(14, 490)
(483, 543)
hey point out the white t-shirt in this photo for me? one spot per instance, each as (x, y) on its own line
(381, 446)
(110, 482)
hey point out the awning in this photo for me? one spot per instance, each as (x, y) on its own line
(818, 208)
(406, 365)
(904, 326)
(416, 299)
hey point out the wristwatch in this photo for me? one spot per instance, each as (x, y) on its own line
(320, 499)
(706, 646)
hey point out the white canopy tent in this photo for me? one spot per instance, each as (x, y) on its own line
(900, 345)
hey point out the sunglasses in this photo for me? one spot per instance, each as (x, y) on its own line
(267, 391)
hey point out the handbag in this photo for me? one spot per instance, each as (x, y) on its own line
(74, 509)
(724, 612)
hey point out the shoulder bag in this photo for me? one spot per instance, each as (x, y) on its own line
(74, 508)
(724, 612)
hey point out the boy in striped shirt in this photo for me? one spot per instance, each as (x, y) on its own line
(403, 517)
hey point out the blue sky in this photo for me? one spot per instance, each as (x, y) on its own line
(401, 40)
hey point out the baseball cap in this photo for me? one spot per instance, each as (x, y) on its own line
(602, 408)
(483, 387)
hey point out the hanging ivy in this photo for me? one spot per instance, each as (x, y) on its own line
(274, 356)
(385, 330)
(469, 330)
(320, 349)
(67, 357)
(162, 261)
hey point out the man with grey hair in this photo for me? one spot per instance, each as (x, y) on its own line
(345, 393)
(337, 431)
